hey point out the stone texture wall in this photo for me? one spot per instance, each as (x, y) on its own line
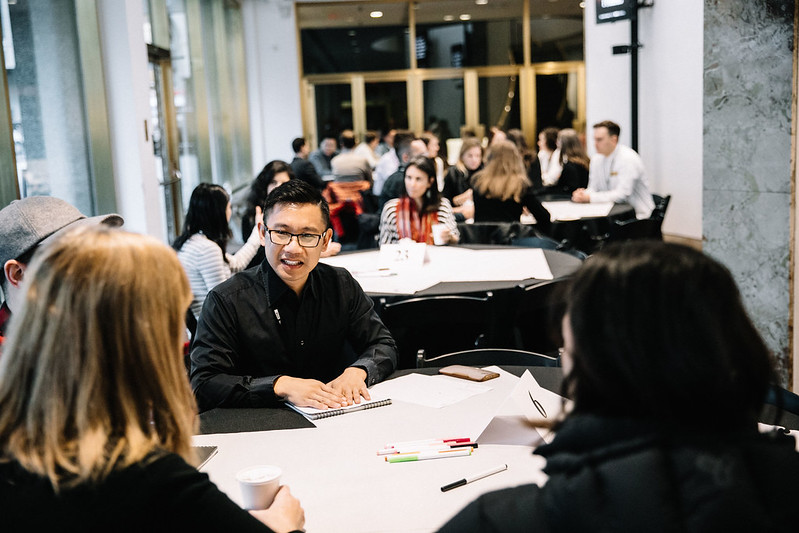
(748, 62)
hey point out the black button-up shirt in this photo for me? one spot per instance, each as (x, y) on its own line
(253, 329)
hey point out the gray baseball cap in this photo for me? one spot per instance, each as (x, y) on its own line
(38, 219)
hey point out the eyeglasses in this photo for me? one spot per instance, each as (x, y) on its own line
(306, 240)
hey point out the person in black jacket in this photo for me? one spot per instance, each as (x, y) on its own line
(502, 189)
(668, 376)
(302, 167)
(574, 165)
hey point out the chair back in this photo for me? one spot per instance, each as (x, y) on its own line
(629, 230)
(494, 232)
(438, 324)
(487, 357)
(547, 243)
(536, 242)
(535, 325)
(661, 204)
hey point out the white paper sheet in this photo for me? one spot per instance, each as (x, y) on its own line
(444, 264)
(432, 391)
(567, 210)
(501, 265)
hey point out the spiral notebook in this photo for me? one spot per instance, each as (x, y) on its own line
(315, 414)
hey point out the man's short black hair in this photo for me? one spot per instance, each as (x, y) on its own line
(612, 127)
(297, 144)
(297, 192)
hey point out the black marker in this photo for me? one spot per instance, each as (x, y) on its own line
(464, 481)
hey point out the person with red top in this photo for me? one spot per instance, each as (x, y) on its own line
(419, 207)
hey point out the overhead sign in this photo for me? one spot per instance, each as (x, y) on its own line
(613, 10)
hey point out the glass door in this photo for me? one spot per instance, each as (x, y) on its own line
(164, 137)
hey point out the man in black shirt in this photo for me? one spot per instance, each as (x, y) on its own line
(291, 328)
(304, 169)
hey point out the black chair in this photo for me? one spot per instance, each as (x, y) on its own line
(486, 357)
(535, 326)
(646, 228)
(495, 232)
(191, 326)
(661, 204)
(548, 243)
(783, 399)
(438, 324)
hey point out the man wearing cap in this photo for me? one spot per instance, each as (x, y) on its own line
(24, 226)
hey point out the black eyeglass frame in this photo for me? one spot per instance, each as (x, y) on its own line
(290, 235)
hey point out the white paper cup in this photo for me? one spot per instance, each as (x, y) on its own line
(259, 484)
(438, 234)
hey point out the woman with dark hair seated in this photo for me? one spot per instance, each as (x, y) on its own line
(668, 376)
(502, 189)
(574, 165)
(202, 247)
(274, 174)
(419, 207)
(96, 412)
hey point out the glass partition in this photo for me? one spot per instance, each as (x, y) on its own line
(353, 37)
(499, 102)
(46, 98)
(386, 105)
(556, 105)
(465, 33)
(444, 111)
(333, 109)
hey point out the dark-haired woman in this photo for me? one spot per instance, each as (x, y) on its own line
(668, 376)
(274, 174)
(458, 181)
(419, 208)
(202, 245)
(574, 162)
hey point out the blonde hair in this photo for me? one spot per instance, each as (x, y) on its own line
(504, 176)
(91, 376)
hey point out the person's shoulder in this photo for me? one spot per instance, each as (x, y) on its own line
(627, 152)
(246, 280)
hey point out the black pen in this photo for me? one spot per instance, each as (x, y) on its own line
(537, 405)
(464, 481)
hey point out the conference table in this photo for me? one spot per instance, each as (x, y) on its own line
(332, 465)
(583, 224)
(464, 269)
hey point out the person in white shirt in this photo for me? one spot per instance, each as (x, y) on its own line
(367, 148)
(202, 246)
(549, 156)
(616, 173)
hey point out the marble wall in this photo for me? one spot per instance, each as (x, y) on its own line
(748, 62)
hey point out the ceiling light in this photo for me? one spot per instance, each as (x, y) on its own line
(449, 18)
(465, 16)
(376, 14)
(481, 2)
(582, 5)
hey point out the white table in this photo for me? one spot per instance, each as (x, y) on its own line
(345, 486)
